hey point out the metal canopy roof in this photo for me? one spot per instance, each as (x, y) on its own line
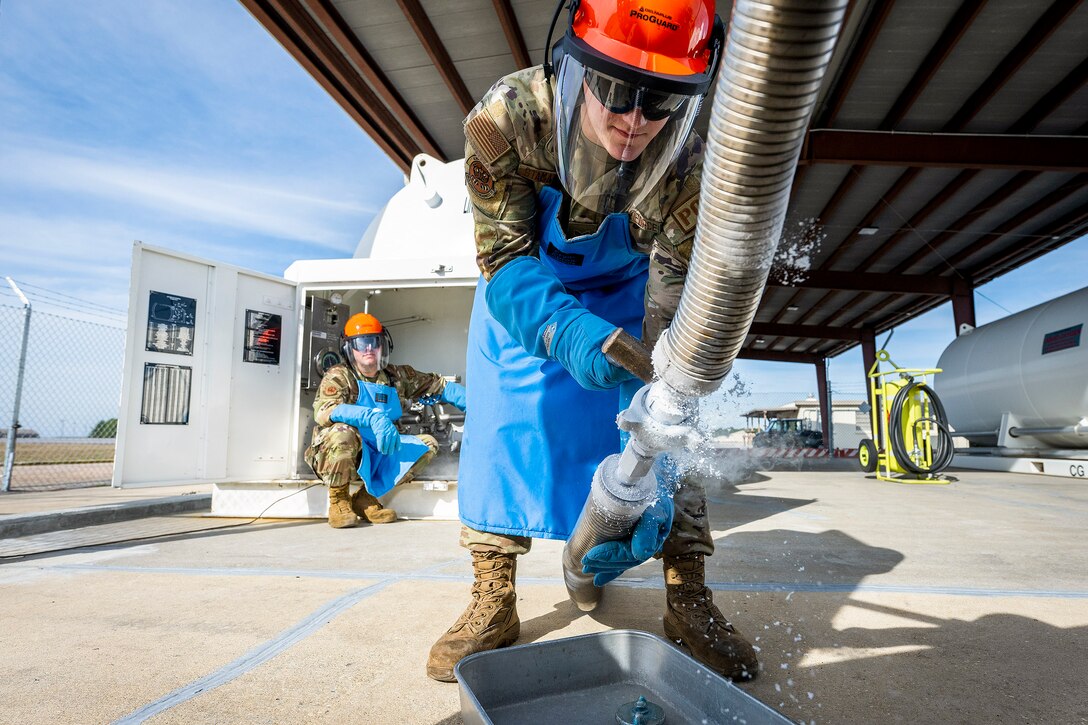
(949, 147)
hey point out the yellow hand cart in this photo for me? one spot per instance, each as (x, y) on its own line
(911, 442)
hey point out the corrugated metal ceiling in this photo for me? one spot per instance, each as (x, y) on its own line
(953, 206)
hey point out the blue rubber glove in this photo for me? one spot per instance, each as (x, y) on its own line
(530, 302)
(454, 394)
(386, 434)
(608, 560)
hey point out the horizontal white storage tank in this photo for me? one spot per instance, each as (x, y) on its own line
(1032, 365)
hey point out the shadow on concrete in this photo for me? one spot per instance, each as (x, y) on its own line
(741, 509)
(895, 660)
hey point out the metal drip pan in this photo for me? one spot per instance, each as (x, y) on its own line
(586, 679)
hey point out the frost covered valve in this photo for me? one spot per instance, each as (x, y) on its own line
(659, 419)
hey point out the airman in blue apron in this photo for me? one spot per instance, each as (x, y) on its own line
(356, 435)
(584, 180)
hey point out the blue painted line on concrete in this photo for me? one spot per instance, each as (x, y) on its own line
(427, 574)
(256, 656)
(262, 653)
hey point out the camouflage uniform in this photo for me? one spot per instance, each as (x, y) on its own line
(509, 156)
(335, 447)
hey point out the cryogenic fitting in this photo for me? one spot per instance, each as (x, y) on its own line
(613, 507)
(659, 418)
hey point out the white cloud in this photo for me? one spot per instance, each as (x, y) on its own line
(276, 208)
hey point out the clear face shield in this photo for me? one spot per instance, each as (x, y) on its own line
(369, 351)
(615, 139)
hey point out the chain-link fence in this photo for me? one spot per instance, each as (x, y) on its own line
(68, 394)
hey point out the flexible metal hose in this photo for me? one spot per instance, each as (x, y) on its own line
(776, 55)
(610, 513)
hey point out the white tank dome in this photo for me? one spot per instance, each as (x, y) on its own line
(431, 213)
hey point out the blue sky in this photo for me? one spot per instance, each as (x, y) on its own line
(183, 124)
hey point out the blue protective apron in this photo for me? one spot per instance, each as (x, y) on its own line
(380, 473)
(533, 437)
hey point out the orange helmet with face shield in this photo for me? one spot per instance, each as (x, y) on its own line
(670, 37)
(364, 333)
(629, 80)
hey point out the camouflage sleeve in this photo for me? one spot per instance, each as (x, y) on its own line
(413, 385)
(670, 257)
(335, 389)
(503, 202)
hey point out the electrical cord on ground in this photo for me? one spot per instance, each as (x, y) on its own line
(942, 451)
(162, 536)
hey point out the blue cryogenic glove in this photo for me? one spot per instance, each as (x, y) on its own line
(530, 302)
(360, 416)
(608, 560)
(454, 394)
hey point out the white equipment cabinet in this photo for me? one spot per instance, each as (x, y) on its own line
(222, 363)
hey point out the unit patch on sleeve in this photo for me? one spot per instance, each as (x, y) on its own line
(478, 179)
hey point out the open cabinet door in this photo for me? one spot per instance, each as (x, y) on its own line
(211, 364)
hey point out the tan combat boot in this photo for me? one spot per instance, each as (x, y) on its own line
(693, 620)
(340, 514)
(371, 508)
(491, 620)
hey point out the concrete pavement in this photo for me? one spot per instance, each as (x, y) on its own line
(869, 601)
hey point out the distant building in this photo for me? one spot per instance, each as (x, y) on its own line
(21, 433)
(850, 421)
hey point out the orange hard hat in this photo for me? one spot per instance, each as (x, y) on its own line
(658, 57)
(362, 324)
(673, 46)
(659, 36)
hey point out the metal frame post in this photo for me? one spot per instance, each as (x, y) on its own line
(868, 353)
(826, 413)
(13, 428)
(963, 305)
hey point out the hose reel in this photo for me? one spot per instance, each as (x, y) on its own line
(911, 440)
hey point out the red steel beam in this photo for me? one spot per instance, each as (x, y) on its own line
(1001, 74)
(432, 44)
(815, 332)
(334, 24)
(1024, 216)
(1066, 229)
(868, 34)
(938, 54)
(512, 32)
(773, 356)
(946, 150)
(271, 16)
(1033, 39)
(1078, 182)
(334, 61)
(929, 66)
(825, 407)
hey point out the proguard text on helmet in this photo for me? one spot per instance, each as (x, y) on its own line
(654, 19)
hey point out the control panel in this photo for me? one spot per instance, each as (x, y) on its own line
(322, 327)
